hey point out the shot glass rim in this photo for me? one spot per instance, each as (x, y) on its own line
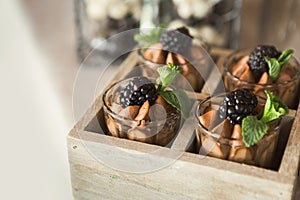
(129, 120)
(228, 72)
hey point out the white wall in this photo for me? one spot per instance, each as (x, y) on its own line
(33, 154)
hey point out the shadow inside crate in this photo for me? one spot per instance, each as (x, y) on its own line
(284, 132)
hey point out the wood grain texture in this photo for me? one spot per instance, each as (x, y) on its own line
(291, 157)
(189, 176)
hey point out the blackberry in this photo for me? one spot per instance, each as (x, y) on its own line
(177, 41)
(257, 62)
(137, 92)
(237, 105)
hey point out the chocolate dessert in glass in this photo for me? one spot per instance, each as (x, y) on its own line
(178, 47)
(239, 126)
(144, 109)
(264, 68)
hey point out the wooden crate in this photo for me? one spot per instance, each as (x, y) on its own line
(191, 176)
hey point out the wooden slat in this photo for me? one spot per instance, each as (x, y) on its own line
(291, 157)
(189, 177)
(184, 138)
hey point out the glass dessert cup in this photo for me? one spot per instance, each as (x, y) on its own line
(286, 86)
(159, 128)
(221, 141)
(197, 57)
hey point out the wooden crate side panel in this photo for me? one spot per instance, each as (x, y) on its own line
(183, 179)
(291, 157)
(91, 184)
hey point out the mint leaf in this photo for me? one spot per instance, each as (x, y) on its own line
(184, 101)
(146, 40)
(171, 98)
(167, 75)
(178, 99)
(276, 65)
(274, 108)
(253, 130)
(285, 56)
(274, 68)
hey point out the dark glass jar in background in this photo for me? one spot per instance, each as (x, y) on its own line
(97, 20)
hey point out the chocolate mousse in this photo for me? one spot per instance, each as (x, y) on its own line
(137, 122)
(178, 46)
(224, 125)
(264, 68)
(145, 110)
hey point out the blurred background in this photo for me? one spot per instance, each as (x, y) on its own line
(44, 41)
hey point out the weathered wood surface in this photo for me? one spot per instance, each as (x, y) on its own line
(191, 176)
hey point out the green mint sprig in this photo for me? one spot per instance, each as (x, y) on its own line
(176, 98)
(167, 75)
(253, 129)
(276, 64)
(146, 40)
(274, 108)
